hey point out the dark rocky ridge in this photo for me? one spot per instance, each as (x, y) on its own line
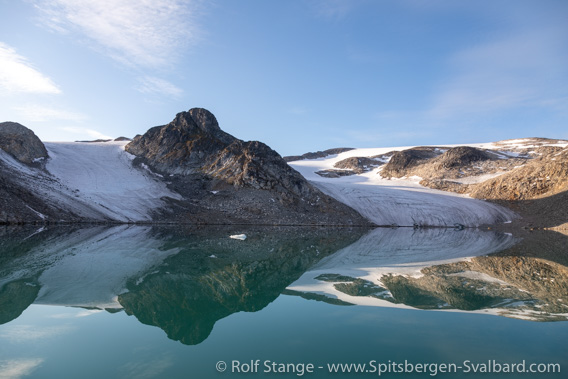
(359, 164)
(227, 180)
(317, 154)
(21, 143)
(460, 156)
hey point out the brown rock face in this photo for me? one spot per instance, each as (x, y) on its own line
(21, 143)
(225, 179)
(402, 161)
(194, 143)
(543, 176)
(460, 156)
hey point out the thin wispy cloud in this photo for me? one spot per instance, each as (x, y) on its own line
(298, 111)
(91, 133)
(18, 368)
(334, 9)
(139, 33)
(17, 75)
(149, 368)
(39, 113)
(153, 85)
(24, 333)
(80, 313)
(523, 69)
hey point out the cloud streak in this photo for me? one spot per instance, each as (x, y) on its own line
(523, 69)
(335, 9)
(39, 113)
(17, 75)
(139, 33)
(19, 368)
(91, 133)
(153, 85)
(24, 333)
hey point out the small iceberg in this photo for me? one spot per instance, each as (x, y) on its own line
(241, 237)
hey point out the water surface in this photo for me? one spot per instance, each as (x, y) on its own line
(132, 301)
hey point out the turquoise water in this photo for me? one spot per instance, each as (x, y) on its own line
(172, 304)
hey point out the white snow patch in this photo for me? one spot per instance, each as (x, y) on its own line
(40, 215)
(93, 271)
(100, 177)
(480, 276)
(477, 179)
(399, 251)
(403, 202)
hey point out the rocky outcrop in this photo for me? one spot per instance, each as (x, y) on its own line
(359, 164)
(227, 180)
(352, 166)
(21, 143)
(544, 176)
(459, 157)
(402, 161)
(317, 154)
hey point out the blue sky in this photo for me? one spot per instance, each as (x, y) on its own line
(297, 75)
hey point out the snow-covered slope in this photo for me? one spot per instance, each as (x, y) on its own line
(437, 268)
(100, 177)
(94, 181)
(403, 250)
(89, 267)
(403, 202)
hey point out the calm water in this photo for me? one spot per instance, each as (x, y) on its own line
(143, 302)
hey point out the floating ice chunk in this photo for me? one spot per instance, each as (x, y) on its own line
(241, 237)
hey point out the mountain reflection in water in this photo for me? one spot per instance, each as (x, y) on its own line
(185, 280)
(443, 269)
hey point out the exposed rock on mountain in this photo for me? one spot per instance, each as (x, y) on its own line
(402, 161)
(355, 165)
(21, 143)
(359, 164)
(19, 204)
(317, 154)
(226, 180)
(546, 175)
(537, 190)
(460, 156)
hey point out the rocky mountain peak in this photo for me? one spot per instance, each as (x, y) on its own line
(226, 178)
(183, 145)
(21, 143)
(204, 119)
(193, 143)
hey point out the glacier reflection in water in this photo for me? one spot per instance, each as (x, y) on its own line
(80, 289)
(440, 269)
